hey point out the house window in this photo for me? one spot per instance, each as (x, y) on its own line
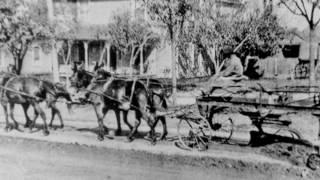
(36, 53)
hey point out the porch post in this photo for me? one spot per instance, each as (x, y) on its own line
(119, 62)
(276, 67)
(108, 57)
(86, 57)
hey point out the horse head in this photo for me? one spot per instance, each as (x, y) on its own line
(101, 76)
(61, 91)
(100, 73)
(80, 77)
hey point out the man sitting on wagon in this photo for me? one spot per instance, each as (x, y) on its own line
(231, 74)
(232, 65)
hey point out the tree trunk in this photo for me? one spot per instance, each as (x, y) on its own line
(18, 64)
(70, 44)
(55, 64)
(173, 71)
(184, 66)
(141, 60)
(194, 58)
(132, 55)
(311, 56)
(207, 61)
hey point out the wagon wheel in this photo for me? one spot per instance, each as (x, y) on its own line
(222, 129)
(313, 161)
(193, 135)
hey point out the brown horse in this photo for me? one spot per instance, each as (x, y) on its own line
(119, 92)
(122, 95)
(31, 91)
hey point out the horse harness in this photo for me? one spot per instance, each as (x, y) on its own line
(150, 93)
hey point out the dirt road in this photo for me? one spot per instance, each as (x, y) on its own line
(32, 159)
(75, 153)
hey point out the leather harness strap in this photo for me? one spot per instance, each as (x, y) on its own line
(132, 89)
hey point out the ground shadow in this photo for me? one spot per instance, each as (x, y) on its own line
(258, 139)
(35, 128)
(138, 135)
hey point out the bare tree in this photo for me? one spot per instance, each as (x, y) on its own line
(131, 36)
(308, 9)
(171, 14)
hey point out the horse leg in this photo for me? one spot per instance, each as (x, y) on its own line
(135, 127)
(43, 116)
(119, 130)
(104, 113)
(101, 127)
(125, 119)
(16, 125)
(5, 109)
(54, 111)
(151, 120)
(53, 114)
(25, 110)
(149, 135)
(33, 122)
(164, 126)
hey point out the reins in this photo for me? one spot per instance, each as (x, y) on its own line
(18, 92)
(111, 98)
(134, 79)
(29, 95)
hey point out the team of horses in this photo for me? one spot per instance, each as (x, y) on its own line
(101, 89)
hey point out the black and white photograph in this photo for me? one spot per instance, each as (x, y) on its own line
(159, 89)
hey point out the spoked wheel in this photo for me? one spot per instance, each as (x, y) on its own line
(222, 129)
(193, 135)
(313, 161)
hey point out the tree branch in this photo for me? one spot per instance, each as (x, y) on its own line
(305, 14)
(290, 9)
(293, 11)
(317, 22)
(312, 13)
(303, 6)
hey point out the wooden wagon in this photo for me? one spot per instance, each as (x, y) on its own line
(265, 109)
